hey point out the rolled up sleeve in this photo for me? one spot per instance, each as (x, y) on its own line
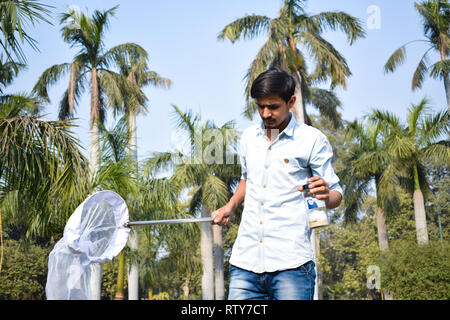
(242, 157)
(321, 163)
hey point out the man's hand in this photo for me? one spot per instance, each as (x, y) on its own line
(223, 215)
(320, 190)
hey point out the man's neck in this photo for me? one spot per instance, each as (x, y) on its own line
(273, 133)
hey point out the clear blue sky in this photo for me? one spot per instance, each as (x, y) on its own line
(207, 74)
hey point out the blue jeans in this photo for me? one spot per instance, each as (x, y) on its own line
(291, 284)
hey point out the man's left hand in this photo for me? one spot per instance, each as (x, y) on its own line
(320, 190)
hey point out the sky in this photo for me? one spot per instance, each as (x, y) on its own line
(207, 74)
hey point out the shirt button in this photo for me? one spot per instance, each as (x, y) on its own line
(260, 241)
(262, 203)
(270, 148)
(266, 166)
(264, 186)
(260, 222)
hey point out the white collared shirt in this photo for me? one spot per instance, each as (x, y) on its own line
(274, 232)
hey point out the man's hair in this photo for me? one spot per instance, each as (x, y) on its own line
(273, 81)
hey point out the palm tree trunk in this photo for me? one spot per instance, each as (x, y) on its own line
(72, 88)
(218, 262)
(299, 106)
(96, 268)
(94, 147)
(446, 80)
(133, 275)
(206, 249)
(419, 211)
(120, 277)
(383, 241)
(133, 137)
(133, 271)
(447, 90)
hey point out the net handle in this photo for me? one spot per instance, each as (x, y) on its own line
(170, 221)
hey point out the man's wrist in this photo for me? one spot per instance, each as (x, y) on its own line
(232, 205)
(334, 199)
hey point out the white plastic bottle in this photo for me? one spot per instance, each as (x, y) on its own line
(316, 209)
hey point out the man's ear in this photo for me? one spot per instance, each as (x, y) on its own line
(291, 102)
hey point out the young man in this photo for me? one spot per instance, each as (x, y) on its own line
(272, 257)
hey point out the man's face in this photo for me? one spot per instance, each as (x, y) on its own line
(274, 111)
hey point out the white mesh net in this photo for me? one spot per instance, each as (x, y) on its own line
(94, 233)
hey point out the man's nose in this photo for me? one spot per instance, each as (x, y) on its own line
(266, 113)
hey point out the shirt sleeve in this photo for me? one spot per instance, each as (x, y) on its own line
(243, 157)
(321, 163)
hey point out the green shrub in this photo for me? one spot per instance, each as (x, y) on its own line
(24, 271)
(412, 272)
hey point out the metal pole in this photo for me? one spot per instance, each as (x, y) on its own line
(170, 221)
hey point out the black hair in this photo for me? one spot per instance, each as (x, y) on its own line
(273, 81)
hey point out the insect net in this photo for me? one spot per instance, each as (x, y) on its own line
(94, 233)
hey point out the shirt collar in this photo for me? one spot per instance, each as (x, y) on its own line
(289, 130)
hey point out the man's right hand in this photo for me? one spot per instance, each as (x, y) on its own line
(223, 215)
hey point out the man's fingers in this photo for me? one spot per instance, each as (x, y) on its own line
(217, 217)
(312, 179)
(319, 189)
(321, 196)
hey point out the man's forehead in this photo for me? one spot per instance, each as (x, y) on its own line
(269, 100)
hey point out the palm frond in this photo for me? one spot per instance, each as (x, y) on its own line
(154, 79)
(48, 78)
(351, 26)
(215, 192)
(258, 65)
(15, 15)
(436, 153)
(246, 28)
(42, 159)
(8, 71)
(116, 87)
(433, 127)
(187, 121)
(420, 73)
(395, 60)
(18, 105)
(415, 112)
(440, 69)
(326, 56)
(327, 102)
(127, 53)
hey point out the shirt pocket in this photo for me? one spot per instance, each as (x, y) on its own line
(289, 165)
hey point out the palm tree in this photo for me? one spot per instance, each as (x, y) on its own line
(435, 16)
(14, 16)
(134, 67)
(92, 59)
(294, 26)
(40, 168)
(367, 160)
(209, 178)
(412, 148)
